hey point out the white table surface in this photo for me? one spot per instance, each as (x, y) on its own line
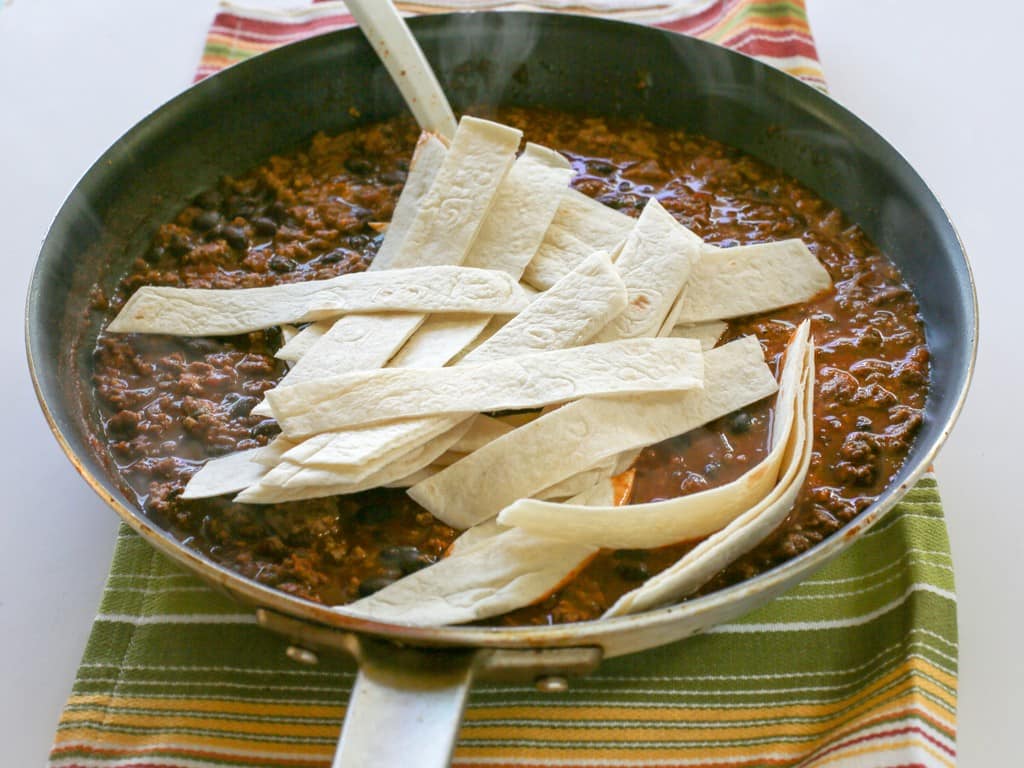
(935, 77)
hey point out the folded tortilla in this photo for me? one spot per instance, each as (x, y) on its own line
(655, 263)
(751, 527)
(581, 225)
(747, 279)
(630, 366)
(687, 518)
(581, 434)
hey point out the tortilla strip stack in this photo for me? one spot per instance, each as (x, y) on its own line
(565, 316)
(751, 527)
(277, 485)
(654, 262)
(581, 434)
(695, 516)
(508, 383)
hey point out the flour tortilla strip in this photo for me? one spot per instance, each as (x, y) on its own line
(272, 453)
(523, 209)
(567, 315)
(495, 324)
(601, 477)
(474, 536)
(707, 333)
(423, 289)
(581, 225)
(231, 473)
(312, 483)
(509, 237)
(483, 429)
(654, 263)
(687, 518)
(297, 344)
(630, 366)
(742, 534)
(416, 477)
(423, 168)
(228, 312)
(494, 576)
(438, 340)
(363, 446)
(450, 214)
(571, 313)
(747, 279)
(581, 434)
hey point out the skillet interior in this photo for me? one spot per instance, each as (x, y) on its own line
(277, 101)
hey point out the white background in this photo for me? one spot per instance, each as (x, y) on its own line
(939, 79)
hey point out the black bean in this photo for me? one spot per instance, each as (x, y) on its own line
(179, 244)
(632, 571)
(264, 225)
(208, 199)
(740, 422)
(240, 206)
(359, 165)
(406, 559)
(711, 468)
(266, 428)
(280, 263)
(602, 167)
(277, 211)
(338, 254)
(239, 405)
(374, 584)
(206, 221)
(154, 254)
(235, 237)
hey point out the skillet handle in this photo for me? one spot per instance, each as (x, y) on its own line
(405, 708)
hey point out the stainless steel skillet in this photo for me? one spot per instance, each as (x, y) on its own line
(419, 677)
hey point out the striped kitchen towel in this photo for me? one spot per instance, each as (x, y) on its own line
(855, 667)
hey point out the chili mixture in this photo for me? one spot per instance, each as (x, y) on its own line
(168, 404)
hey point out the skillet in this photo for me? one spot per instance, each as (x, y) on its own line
(419, 677)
